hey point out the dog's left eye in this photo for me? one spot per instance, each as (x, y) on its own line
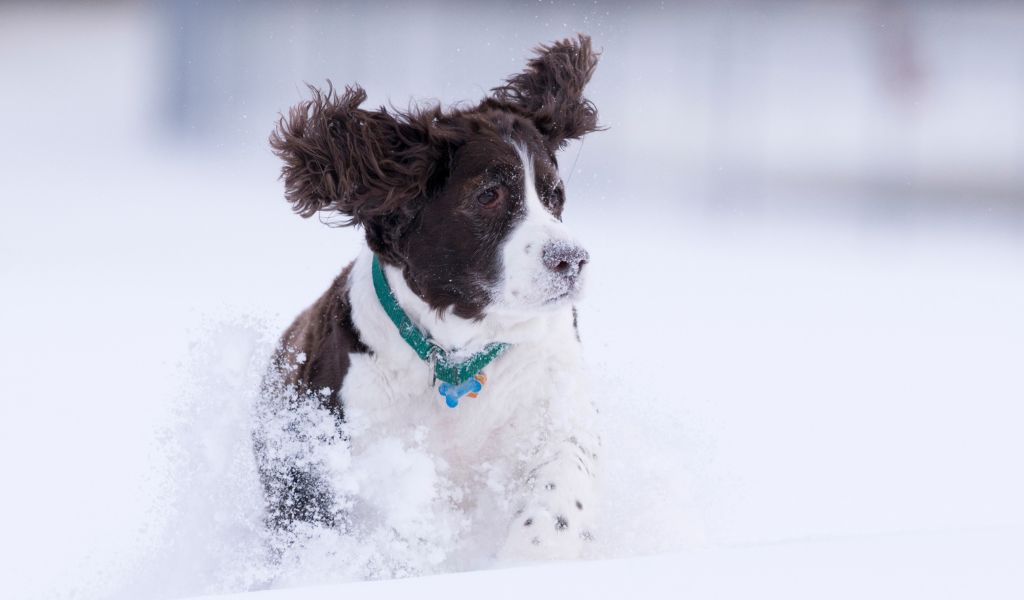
(492, 196)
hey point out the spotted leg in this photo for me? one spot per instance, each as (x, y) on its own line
(557, 505)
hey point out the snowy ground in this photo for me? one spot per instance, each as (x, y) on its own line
(760, 382)
(982, 564)
(812, 407)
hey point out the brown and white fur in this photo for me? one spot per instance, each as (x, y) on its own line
(463, 207)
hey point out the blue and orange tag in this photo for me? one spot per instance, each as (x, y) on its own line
(471, 387)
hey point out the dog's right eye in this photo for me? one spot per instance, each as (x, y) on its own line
(492, 196)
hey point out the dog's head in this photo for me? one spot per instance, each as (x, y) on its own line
(467, 202)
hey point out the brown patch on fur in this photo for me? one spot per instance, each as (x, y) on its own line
(313, 355)
(307, 369)
(366, 165)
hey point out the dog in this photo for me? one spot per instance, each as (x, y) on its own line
(455, 329)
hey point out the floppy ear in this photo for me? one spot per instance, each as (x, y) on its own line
(550, 90)
(369, 166)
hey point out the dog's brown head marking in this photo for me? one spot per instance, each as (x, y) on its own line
(441, 193)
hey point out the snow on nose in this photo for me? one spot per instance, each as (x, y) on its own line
(564, 258)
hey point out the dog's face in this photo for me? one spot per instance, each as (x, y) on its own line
(491, 238)
(468, 203)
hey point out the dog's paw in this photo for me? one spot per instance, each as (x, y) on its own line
(554, 526)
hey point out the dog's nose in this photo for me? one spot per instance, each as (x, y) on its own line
(564, 258)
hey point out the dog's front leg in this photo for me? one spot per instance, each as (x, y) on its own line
(557, 503)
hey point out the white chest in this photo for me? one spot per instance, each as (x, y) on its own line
(509, 417)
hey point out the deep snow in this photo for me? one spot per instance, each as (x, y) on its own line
(758, 381)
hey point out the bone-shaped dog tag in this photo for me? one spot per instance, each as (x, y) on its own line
(453, 393)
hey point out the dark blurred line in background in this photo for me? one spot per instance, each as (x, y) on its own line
(885, 111)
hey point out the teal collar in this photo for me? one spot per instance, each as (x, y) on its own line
(445, 369)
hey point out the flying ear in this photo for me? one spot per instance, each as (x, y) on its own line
(550, 90)
(362, 164)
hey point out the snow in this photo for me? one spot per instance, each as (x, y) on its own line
(811, 401)
(958, 565)
(758, 381)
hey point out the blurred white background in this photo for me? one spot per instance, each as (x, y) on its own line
(805, 218)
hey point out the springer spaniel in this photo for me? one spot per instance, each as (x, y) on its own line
(454, 330)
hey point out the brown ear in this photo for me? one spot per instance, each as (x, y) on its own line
(550, 90)
(362, 164)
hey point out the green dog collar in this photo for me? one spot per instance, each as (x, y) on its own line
(445, 369)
